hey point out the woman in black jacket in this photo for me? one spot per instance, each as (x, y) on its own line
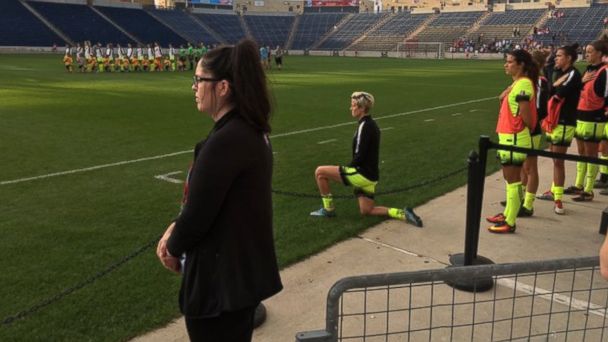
(222, 240)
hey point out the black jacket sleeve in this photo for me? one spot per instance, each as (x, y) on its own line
(362, 145)
(213, 173)
(570, 87)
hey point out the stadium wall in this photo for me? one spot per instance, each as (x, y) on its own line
(110, 3)
(105, 3)
(270, 6)
(73, 2)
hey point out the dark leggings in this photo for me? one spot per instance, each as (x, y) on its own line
(235, 326)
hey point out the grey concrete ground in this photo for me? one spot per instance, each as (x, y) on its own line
(394, 246)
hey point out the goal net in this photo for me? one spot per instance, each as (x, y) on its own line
(433, 50)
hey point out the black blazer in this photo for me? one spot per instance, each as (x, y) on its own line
(225, 227)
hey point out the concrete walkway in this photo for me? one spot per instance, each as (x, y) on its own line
(394, 246)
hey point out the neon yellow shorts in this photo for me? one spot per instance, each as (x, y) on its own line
(561, 135)
(589, 131)
(536, 139)
(521, 139)
(362, 186)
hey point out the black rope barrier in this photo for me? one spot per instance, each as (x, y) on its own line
(48, 301)
(387, 192)
(475, 189)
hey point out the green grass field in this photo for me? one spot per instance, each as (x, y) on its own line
(59, 231)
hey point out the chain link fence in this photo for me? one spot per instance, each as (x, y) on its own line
(556, 300)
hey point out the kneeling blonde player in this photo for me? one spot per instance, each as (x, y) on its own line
(362, 173)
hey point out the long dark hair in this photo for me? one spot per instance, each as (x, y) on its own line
(571, 50)
(601, 45)
(241, 66)
(530, 68)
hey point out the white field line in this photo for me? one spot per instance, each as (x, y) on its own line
(387, 128)
(166, 177)
(558, 298)
(97, 167)
(521, 287)
(400, 250)
(326, 141)
(429, 120)
(456, 114)
(473, 110)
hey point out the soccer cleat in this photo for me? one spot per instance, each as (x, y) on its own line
(502, 228)
(323, 213)
(573, 190)
(411, 217)
(559, 207)
(546, 196)
(524, 212)
(583, 197)
(496, 219)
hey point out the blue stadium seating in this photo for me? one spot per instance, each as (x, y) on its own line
(20, 27)
(456, 19)
(228, 26)
(517, 17)
(80, 23)
(182, 23)
(312, 27)
(581, 25)
(141, 25)
(270, 30)
(351, 30)
(389, 34)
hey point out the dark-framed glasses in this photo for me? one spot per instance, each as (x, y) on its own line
(196, 80)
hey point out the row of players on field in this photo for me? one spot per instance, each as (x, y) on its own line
(96, 58)
(567, 106)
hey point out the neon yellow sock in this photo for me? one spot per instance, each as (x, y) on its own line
(529, 200)
(513, 203)
(395, 213)
(604, 168)
(591, 174)
(558, 192)
(328, 202)
(581, 171)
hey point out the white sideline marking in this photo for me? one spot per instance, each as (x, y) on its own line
(166, 177)
(97, 167)
(93, 168)
(558, 298)
(391, 247)
(326, 141)
(387, 128)
(456, 114)
(473, 110)
(429, 120)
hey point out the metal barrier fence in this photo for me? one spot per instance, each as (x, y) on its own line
(556, 300)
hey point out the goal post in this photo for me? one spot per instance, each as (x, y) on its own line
(431, 50)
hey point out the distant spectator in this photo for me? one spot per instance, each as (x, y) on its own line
(264, 57)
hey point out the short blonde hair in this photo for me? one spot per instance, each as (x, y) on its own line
(364, 100)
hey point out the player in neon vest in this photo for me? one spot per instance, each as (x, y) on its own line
(591, 120)
(516, 117)
(566, 89)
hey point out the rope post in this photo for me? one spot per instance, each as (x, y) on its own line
(476, 181)
(604, 222)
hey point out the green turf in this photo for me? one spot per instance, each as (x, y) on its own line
(59, 231)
